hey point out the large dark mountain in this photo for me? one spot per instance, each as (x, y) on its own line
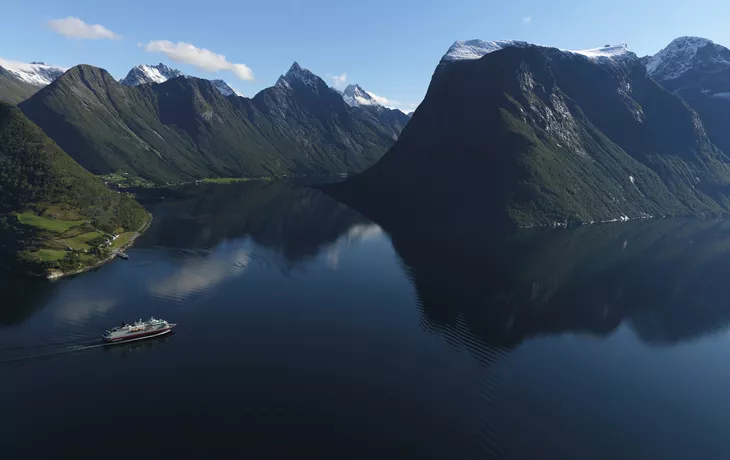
(516, 134)
(698, 70)
(186, 129)
(47, 200)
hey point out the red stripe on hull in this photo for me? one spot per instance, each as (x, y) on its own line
(139, 335)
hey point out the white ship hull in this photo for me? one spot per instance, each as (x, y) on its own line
(137, 331)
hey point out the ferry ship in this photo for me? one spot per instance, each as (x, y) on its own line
(137, 331)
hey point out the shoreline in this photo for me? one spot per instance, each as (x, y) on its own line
(59, 274)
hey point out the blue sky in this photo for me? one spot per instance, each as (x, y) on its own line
(389, 47)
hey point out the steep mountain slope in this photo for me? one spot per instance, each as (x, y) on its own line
(530, 135)
(18, 81)
(160, 73)
(49, 203)
(13, 90)
(698, 70)
(185, 128)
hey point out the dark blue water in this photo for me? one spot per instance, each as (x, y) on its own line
(306, 330)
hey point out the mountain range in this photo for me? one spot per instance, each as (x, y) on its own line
(516, 134)
(186, 128)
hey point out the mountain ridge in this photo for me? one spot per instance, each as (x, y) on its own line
(185, 129)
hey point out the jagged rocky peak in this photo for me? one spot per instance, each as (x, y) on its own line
(355, 96)
(687, 53)
(145, 73)
(298, 73)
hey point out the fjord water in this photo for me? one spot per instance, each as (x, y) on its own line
(307, 330)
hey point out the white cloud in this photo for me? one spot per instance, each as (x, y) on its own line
(72, 27)
(339, 81)
(404, 107)
(201, 58)
(526, 20)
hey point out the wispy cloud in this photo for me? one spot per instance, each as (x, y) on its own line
(339, 81)
(201, 58)
(527, 20)
(72, 27)
(404, 107)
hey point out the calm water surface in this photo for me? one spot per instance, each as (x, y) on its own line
(307, 330)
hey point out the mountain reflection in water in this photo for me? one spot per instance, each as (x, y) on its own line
(668, 279)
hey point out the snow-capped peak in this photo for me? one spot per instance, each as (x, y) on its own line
(143, 74)
(476, 49)
(355, 96)
(160, 73)
(225, 89)
(683, 53)
(36, 73)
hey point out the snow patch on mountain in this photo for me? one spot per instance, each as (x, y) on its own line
(476, 49)
(225, 89)
(36, 73)
(160, 73)
(611, 52)
(685, 53)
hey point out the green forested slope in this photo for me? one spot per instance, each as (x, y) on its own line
(48, 203)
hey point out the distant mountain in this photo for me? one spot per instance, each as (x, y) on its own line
(160, 73)
(48, 203)
(144, 74)
(304, 109)
(19, 80)
(355, 96)
(698, 70)
(528, 135)
(185, 129)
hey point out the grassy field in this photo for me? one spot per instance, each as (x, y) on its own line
(79, 242)
(224, 180)
(49, 255)
(122, 240)
(59, 226)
